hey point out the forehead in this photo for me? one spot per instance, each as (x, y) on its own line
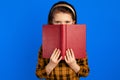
(62, 16)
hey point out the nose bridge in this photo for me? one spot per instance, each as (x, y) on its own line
(62, 22)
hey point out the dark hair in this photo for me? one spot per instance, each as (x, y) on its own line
(68, 8)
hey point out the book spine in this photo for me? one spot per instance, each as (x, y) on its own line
(63, 51)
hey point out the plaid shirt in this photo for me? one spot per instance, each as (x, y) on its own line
(62, 71)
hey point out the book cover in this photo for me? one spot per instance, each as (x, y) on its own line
(64, 37)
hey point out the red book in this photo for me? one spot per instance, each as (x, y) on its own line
(64, 37)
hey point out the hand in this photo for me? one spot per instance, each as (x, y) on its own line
(54, 60)
(71, 61)
(69, 58)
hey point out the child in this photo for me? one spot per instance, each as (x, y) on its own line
(55, 68)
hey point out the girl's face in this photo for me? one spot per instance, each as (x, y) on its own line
(62, 18)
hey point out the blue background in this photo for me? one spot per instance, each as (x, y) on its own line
(20, 36)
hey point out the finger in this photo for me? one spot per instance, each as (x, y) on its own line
(60, 59)
(72, 53)
(58, 54)
(53, 54)
(66, 59)
(68, 55)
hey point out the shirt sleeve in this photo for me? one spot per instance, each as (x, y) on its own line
(84, 69)
(40, 69)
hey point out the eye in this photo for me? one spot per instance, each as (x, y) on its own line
(57, 21)
(67, 22)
